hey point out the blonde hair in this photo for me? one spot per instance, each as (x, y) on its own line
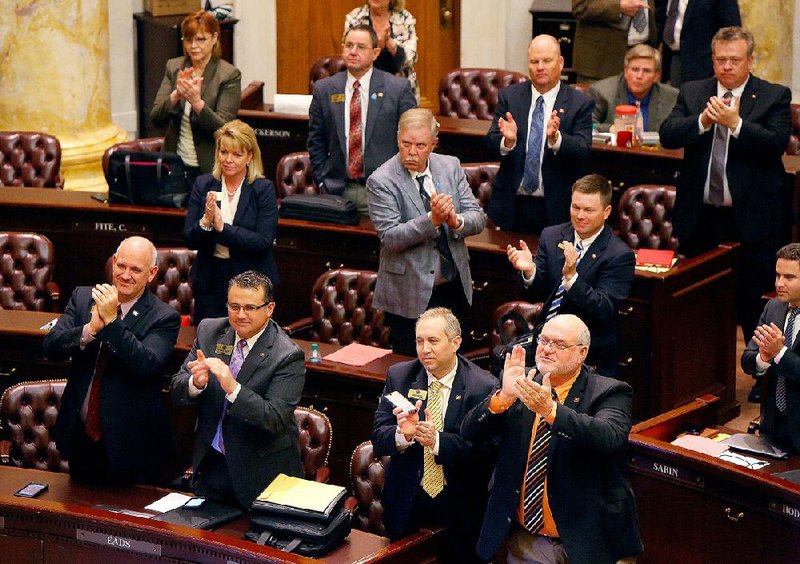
(238, 134)
(452, 328)
(643, 51)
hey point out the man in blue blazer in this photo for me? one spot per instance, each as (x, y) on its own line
(734, 129)
(560, 491)
(112, 425)
(420, 449)
(246, 377)
(541, 134)
(422, 209)
(344, 153)
(593, 280)
(774, 351)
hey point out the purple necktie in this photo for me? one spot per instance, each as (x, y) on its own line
(237, 359)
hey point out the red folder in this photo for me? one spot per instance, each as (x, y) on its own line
(654, 257)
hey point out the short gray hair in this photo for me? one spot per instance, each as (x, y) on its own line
(452, 328)
(584, 337)
(417, 118)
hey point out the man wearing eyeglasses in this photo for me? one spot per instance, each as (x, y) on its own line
(246, 377)
(734, 129)
(560, 489)
(352, 128)
(637, 85)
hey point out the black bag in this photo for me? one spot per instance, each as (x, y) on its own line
(147, 179)
(325, 208)
(301, 536)
(527, 340)
(208, 516)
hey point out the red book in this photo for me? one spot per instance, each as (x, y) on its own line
(654, 257)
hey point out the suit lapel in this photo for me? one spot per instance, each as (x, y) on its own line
(597, 248)
(260, 353)
(209, 76)
(576, 393)
(244, 204)
(521, 116)
(413, 188)
(749, 97)
(455, 404)
(339, 84)
(374, 104)
(139, 310)
(561, 106)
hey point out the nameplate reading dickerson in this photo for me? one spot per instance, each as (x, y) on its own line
(123, 543)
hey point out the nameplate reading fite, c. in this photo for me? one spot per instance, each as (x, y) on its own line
(123, 543)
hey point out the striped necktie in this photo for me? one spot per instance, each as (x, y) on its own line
(433, 474)
(559, 296)
(780, 382)
(535, 474)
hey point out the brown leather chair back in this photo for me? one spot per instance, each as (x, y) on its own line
(582, 87)
(171, 284)
(793, 147)
(367, 472)
(315, 442)
(30, 158)
(480, 177)
(28, 412)
(145, 145)
(26, 272)
(472, 93)
(323, 68)
(252, 96)
(341, 309)
(645, 217)
(509, 328)
(293, 175)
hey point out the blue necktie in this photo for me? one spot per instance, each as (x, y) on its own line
(533, 165)
(780, 383)
(237, 359)
(559, 297)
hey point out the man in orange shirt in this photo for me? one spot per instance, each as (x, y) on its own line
(560, 491)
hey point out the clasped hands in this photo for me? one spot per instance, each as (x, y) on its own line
(770, 341)
(188, 88)
(104, 308)
(201, 368)
(424, 432)
(212, 216)
(717, 111)
(443, 211)
(516, 386)
(508, 129)
(522, 258)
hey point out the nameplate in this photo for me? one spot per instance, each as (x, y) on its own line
(667, 470)
(270, 133)
(123, 543)
(790, 511)
(108, 227)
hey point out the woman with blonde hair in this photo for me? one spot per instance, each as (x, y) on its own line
(231, 220)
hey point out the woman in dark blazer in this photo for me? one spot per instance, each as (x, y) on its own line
(198, 94)
(231, 221)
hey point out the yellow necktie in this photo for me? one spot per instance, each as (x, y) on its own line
(433, 474)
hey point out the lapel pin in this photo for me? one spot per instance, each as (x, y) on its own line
(263, 355)
(576, 400)
(373, 96)
(594, 256)
(458, 397)
(561, 110)
(135, 313)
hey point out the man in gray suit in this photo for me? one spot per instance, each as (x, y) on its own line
(638, 84)
(246, 377)
(422, 209)
(345, 150)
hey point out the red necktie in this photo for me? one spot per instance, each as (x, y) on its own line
(93, 408)
(355, 163)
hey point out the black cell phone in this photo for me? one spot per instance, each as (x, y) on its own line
(194, 503)
(31, 490)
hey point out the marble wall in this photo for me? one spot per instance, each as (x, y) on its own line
(772, 24)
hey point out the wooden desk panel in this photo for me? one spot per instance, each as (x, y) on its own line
(55, 526)
(699, 509)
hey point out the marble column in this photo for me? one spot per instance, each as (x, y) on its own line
(54, 76)
(772, 24)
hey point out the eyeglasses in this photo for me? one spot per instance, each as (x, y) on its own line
(249, 308)
(199, 39)
(545, 342)
(734, 61)
(357, 46)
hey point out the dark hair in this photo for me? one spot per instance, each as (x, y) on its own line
(789, 252)
(734, 33)
(363, 27)
(201, 21)
(594, 184)
(253, 280)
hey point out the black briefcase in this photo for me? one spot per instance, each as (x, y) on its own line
(325, 208)
(307, 537)
(147, 179)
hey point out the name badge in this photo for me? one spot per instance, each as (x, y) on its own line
(337, 98)
(223, 349)
(417, 394)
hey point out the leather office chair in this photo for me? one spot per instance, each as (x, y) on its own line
(293, 175)
(171, 284)
(582, 87)
(28, 412)
(315, 442)
(252, 96)
(793, 147)
(644, 217)
(509, 321)
(26, 272)
(367, 473)
(472, 93)
(341, 311)
(323, 68)
(30, 158)
(480, 177)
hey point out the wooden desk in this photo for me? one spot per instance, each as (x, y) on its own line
(63, 525)
(697, 509)
(668, 322)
